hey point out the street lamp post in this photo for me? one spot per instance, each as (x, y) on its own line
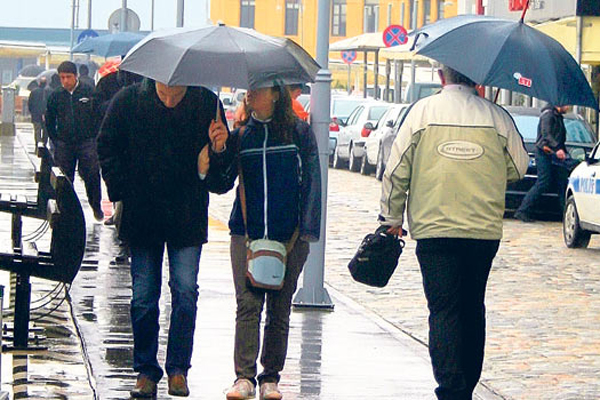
(312, 293)
(413, 64)
(179, 13)
(123, 25)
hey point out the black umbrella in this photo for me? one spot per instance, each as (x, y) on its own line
(509, 55)
(31, 70)
(220, 55)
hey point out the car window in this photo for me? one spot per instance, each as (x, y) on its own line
(400, 116)
(596, 155)
(376, 112)
(342, 108)
(427, 91)
(355, 115)
(577, 131)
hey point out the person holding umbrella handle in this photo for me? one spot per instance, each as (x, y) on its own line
(162, 151)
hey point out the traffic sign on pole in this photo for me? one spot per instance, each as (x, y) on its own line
(394, 35)
(87, 34)
(349, 56)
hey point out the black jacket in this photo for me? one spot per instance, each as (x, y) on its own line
(71, 117)
(551, 130)
(38, 99)
(293, 183)
(148, 154)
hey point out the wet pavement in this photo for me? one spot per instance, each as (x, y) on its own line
(543, 307)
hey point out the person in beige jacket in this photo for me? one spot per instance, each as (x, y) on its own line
(451, 161)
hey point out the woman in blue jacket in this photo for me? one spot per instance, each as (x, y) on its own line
(288, 190)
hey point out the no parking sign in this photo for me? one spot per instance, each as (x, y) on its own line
(348, 56)
(394, 35)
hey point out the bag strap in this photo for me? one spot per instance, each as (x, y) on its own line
(290, 244)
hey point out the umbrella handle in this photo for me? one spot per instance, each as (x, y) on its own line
(417, 38)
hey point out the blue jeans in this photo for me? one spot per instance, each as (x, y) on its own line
(146, 274)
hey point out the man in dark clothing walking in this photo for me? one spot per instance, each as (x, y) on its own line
(38, 99)
(72, 127)
(153, 149)
(85, 78)
(550, 152)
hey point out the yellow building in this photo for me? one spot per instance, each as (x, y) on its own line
(297, 19)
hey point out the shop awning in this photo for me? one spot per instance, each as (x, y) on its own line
(565, 32)
(21, 49)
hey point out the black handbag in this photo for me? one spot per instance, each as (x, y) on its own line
(376, 258)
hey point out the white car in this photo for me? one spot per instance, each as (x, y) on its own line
(388, 124)
(582, 208)
(351, 137)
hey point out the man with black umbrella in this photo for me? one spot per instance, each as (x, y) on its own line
(450, 162)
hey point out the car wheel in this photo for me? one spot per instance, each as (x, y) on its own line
(365, 167)
(337, 163)
(573, 234)
(379, 168)
(353, 162)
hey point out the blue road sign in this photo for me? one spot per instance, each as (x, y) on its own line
(88, 33)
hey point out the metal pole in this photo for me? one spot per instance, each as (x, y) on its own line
(312, 293)
(89, 14)
(398, 69)
(349, 78)
(365, 73)
(123, 25)
(413, 65)
(152, 17)
(72, 30)
(388, 78)
(376, 72)
(578, 48)
(179, 13)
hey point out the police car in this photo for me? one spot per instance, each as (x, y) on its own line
(582, 208)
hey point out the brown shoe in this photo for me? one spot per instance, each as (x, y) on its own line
(144, 387)
(178, 386)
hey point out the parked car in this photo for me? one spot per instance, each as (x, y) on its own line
(351, 137)
(582, 208)
(341, 108)
(580, 142)
(379, 142)
(304, 99)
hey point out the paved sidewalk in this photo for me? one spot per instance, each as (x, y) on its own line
(349, 353)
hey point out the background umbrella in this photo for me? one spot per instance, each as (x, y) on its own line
(109, 67)
(114, 44)
(217, 56)
(31, 70)
(509, 55)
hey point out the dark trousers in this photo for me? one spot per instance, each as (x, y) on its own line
(250, 303)
(455, 274)
(547, 173)
(39, 133)
(84, 156)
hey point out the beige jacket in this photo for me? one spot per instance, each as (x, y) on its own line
(451, 160)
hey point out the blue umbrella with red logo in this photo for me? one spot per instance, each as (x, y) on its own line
(506, 54)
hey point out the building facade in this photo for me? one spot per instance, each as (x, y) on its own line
(297, 19)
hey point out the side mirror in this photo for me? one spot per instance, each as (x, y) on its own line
(389, 123)
(369, 126)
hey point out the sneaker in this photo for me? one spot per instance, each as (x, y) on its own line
(178, 386)
(98, 215)
(242, 389)
(144, 387)
(270, 391)
(521, 216)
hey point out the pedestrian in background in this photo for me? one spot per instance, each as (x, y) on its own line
(72, 126)
(154, 151)
(84, 77)
(295, 91)
(268, 147)
(37, 102)
(451, 160)
(550, 156)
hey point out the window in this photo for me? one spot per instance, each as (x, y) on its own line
(292, 12)
(247, 14)
(413, 15)
(371, 16)
(427, 11)
(440, 9)
(338, 18)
